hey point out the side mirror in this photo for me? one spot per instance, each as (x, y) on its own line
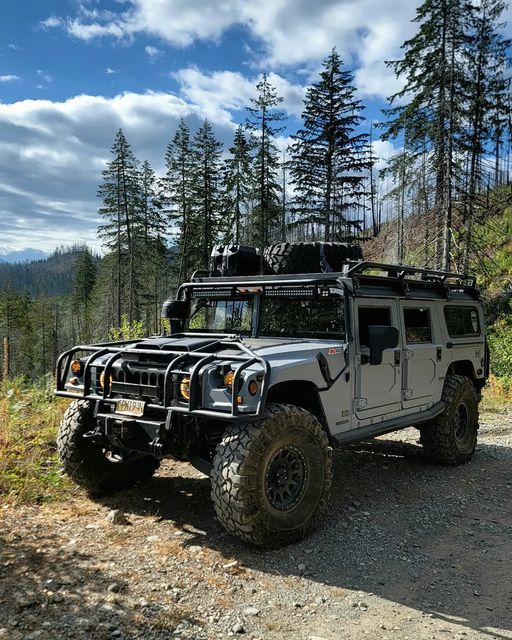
(175, 309)
(380, 338)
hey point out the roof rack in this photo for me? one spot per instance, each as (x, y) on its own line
(400, 272)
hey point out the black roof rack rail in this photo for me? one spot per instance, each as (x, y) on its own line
(400, 271)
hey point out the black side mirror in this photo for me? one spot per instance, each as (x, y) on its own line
(380, 338)
(175, 309)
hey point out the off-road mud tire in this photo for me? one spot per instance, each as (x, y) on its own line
(443, 440)
(87, 464)
(309, 257)
(240, 478)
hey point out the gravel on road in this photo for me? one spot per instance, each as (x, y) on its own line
(408, 551)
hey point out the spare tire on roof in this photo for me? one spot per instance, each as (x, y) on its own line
(309, 257)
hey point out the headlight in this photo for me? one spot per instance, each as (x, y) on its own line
(102, 379)
(228, 378)
(77, 367)
(185, 387)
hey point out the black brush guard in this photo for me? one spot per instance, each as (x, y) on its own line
(116, 350)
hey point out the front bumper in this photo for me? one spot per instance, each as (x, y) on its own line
(163, 397)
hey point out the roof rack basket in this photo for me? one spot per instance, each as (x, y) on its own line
(401, 272)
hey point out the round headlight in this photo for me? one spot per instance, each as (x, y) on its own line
(76, 367)
(102, 379)
(185, 387)
(228, 378)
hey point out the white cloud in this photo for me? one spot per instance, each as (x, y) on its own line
(152, 52)
(9, 78)
(45, 76)
(291, 32)
(52, 155)
(14, 47)
(51, 22)
(220, 92)
(110, 71)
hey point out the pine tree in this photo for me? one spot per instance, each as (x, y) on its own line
(121, 209)
(206, 213)
(435, 79)
(330, 159)
(263, 120)
(238, 184)
(178, 187)
(487, 88)
(81, 297)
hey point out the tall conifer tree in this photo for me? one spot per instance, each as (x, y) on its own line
(263, 120)
(121, 207)
(178, 182)
(435, 75)
(206, 214)
(330, 159)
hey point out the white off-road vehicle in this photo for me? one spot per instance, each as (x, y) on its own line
(263, 375)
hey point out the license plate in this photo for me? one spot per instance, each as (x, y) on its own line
(130, 407)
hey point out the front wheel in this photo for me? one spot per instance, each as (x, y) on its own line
(271, 478)
(451, 438)
(96, 469)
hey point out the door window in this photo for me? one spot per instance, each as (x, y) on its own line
(369, 316)
(417, 325)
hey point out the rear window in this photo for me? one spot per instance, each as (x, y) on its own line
(417, 326)
(462, 322)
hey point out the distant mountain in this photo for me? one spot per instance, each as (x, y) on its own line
(23, 255)
(51, 276)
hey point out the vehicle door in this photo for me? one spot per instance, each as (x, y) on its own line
(378, 387)
(421, 355)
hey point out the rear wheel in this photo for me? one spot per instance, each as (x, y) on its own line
(98, 470)
(271, 478)
(451, 438)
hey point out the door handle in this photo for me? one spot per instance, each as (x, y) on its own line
(398, 355)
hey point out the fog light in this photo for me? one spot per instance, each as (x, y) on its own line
(185, 388)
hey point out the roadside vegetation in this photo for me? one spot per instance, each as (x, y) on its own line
(29, 465)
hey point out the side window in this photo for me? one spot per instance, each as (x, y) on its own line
(417, 326)
(367, 316)
(462, 322)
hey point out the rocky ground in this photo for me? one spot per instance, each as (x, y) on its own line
(408, 551)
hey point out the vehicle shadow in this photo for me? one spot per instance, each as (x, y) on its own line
(436, 539)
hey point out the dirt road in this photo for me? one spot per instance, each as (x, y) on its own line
(408, 551)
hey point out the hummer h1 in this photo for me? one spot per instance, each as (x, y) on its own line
(262, 376)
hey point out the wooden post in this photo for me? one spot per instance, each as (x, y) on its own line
(5, 371)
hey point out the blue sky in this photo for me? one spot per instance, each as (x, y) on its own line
(72, 72)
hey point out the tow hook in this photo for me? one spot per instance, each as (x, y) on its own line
(96, 437)
(156, 447)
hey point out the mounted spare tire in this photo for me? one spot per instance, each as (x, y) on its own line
(309, 257)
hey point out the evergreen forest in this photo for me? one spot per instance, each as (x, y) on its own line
(443, 201)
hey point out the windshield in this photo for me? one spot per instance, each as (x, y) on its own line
(278, 317)
(310, 318)
(222, 316)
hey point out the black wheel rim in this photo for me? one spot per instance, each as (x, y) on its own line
(285, 478)
(461, 422)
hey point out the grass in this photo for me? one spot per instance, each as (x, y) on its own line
(29, 465)
(497, 392)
